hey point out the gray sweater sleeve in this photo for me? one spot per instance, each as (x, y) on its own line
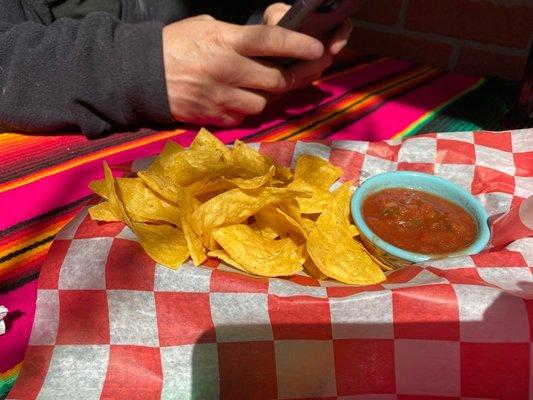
(96, 74)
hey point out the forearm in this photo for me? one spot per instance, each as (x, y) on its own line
(96, 74)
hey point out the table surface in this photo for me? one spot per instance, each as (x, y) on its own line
(43, 178)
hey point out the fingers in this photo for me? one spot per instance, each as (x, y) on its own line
(227, 106)
(274, 13)
(340, 37)
(255, 74)
(307, 69)
(229, 119)
(274, 41)
(239, 101)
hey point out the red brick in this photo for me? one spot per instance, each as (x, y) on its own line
(480, 63)
(397, 45)
(379, 11)
(480, 20)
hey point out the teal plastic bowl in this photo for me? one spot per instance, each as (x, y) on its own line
(395, 256)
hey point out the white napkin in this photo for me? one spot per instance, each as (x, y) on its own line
(3, 313)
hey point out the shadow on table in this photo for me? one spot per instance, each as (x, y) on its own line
(486, 107)
(286, 108)
(11, 317)
(419, 355)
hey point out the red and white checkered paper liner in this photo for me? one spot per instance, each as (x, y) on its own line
(110, 324)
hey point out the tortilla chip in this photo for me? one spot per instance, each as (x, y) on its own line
(259, 255)
(334, 251)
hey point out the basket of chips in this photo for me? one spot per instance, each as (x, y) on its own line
(237, 273)
(241, 207)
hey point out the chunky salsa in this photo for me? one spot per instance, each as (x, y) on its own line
(418, 221)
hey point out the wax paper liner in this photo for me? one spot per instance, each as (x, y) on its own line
(110, 324)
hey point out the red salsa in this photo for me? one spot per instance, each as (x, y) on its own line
(418, 221)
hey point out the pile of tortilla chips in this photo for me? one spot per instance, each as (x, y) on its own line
(239, 206)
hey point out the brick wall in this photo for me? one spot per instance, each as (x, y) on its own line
(480, 37)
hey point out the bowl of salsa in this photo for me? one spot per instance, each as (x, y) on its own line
(406, 217)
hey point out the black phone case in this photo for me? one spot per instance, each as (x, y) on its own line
(317, 18)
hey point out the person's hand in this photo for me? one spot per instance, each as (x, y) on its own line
(307, 71)
(210, 72)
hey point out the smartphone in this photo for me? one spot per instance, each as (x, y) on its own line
(317, 18)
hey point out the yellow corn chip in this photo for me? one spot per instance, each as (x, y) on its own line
(103, 212)
(265, 230)
(316, 203)
(292, 209)
(316, 171)
(382, 265)
(205, 141)
(333, 249)
(164, 243)
(249, 161)
(308, 225)
(219, 185)
(222, 255)
(194, 243)
(181, 168)
(141, 203)
(256, 182)
(246, 158)
(240, 206)
(99, 187)
(283, 174)
(273, 222)
(115, 205)
(312, 269)
(235, 206)
(156, 180)
(316, 175)
(257, 254)
(170, 149)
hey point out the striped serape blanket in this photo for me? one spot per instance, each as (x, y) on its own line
(43, 178)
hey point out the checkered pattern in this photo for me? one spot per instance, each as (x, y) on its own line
(110, 324)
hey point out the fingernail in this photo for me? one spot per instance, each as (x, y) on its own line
(337, 47)
(229, 120)
(317, 49)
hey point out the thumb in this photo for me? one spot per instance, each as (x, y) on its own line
(274, 13)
